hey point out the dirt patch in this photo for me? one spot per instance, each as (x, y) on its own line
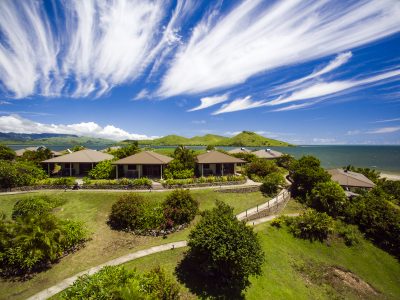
(337, 281)
(353, 281)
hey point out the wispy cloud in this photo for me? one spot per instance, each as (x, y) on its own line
(18, 124)
(329, 88)
(2, 102)
(143, 94)
(199, 122)
(353, 132)
(210, 101)
(338, 61)
(239, 104)
(255, 37)
(384, 130)
(387, 120)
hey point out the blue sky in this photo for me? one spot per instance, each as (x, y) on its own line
(307, 72)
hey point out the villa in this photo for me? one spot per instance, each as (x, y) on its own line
(216, 163)
(77, 163)
(21, 152)
(267, 154)
(143, 164)
(350, 180)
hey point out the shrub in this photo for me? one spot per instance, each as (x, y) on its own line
(392, 188)
(209, 179)
(261, 168)
(37, 156)
(306, 174)
(180, 207)
(128, 150)
(133, 212)
(73, 233)
(349, 233)
(37, 206)
(272, 183)
(376, 217)
(311, 225)
(142, 182)
(223, 254)
(6, 153)
(328, 197)
(248, 157)
(57, 181)
(103, 170)
(32, 242)
(118, 283)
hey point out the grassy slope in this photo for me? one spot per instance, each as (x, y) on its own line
(93, 208)
(280, 279)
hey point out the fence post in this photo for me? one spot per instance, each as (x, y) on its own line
(246, 213)
(257, 207)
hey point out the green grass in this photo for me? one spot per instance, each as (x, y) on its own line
(281, 278)
(93, 208)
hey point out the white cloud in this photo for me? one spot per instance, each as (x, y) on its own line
(2, 102)
(295, 106)
(98, 45)
(387, 120)
(210, 101)
(239, 104)
(17, 124)
(353, 132)
(385, 130)
(255, 37)
(324, 140)
(329, 88)
(198, 122)
(143, 94)
(338, 61)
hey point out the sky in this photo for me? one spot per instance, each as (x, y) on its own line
(301, 71)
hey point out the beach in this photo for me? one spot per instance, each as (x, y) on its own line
(390, 176)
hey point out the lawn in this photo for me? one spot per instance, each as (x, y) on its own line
(105, 244)
(295, 269)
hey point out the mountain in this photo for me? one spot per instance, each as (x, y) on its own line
(11, 136)
(245, 138)
(50, 139)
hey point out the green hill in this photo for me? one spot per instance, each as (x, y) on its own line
(245, 138)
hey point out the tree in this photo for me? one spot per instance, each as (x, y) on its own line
(77, 148)
(248, 157)
(185, 156)
(328, 197)
(128, 150)
(103, 170)
(41, 154)
(261, 168)
(286, 161)
(223, 253)
(306, 174)
(272, 183)
(180, 208)
(210, 147)
(19, 173)
(6, 153)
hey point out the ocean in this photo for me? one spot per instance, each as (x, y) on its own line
(381, 158)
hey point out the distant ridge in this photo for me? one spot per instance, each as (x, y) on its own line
(245, 138)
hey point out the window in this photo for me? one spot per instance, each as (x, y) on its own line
(131, 167)
(206, 166)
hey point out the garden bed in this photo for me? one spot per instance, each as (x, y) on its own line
(205, 184)
(204, 181)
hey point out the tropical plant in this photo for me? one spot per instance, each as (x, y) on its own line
(37, 156)
(21, 173)
(36, 205)
(127, 150)
(185, 156)
(114, 282)
(77, 148)
(286, 161)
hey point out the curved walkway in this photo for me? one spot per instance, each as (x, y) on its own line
(51, 291)
(55, 289)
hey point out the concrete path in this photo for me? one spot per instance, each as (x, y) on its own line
(51, 291)
(269, 218)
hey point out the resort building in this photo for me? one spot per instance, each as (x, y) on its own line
(267, 154)
(216, 163)
(77, 163)
(239, 150)
(143, 164)
(350, 180)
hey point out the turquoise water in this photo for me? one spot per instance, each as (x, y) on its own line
(382, 158)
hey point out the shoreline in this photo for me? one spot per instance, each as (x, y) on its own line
(390, 176)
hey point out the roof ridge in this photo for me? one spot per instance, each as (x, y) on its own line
(154, 156)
